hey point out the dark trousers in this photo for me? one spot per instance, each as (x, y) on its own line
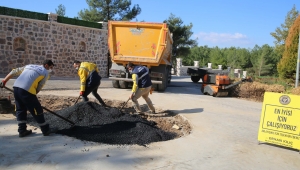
(93, 89)
(27, 101)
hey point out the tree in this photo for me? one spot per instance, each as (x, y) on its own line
(181, 36)
(237, 57)
(200, 54)
(287, 65)
(61, 10)
(281, 33)
(263, 60)
(216, 57)
(104, 10)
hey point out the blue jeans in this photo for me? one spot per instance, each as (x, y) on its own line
(93, 89)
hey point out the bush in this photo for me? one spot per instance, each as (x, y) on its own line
(78, 22)
(23, 13)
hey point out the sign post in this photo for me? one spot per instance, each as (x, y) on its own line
(298, 60)
(280, 120)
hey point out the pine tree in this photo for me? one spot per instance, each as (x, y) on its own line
(104, 10)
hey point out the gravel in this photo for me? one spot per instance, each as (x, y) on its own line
(109, 125)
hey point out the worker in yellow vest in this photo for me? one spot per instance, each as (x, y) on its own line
(90, 80)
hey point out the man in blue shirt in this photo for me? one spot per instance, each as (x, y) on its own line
(141, 86)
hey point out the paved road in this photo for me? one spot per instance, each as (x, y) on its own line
(224, 136)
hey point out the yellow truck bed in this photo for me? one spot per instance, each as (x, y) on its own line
(142, 43)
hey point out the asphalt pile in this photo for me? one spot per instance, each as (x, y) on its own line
(96, 123)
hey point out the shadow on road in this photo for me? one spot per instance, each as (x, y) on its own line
(183, 85)
(282, 147)
(195, 110)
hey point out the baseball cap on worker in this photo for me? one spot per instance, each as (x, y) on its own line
(49, 62)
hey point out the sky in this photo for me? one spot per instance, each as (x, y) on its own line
(222, 23)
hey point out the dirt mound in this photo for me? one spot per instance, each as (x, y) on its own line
(296, 91)
(110, 125)
(255, 90)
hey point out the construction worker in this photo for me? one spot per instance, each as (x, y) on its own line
(141, 86)
(90, 80)
(29, 83)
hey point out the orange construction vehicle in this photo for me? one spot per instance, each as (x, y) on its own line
(214, 82)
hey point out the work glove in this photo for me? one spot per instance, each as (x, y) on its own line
(2, 84)
(81, 93)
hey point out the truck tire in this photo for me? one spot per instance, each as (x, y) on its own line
(123, 84)
(195, 79)
(169, 74)
(115, 83)
(162, 87)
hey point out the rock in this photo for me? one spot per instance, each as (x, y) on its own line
(176, 127)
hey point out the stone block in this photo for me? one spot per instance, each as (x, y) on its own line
(2, 41)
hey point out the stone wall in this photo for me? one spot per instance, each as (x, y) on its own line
(27, 41)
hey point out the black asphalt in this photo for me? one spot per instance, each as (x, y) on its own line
(105, 125)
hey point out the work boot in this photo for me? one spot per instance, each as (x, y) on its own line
(25, 133)
(51, 130)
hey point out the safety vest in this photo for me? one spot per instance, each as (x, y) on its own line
(142, 76)
(88, 73)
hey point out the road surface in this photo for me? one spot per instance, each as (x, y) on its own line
(224, 136)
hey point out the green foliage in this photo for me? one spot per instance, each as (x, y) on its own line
(200, 54)
(287, 65)
(61, 10)
(264, 60)
(78, 22)
(181, 36)
(237, 57)
(217, 57)
(104, 10)
(281, 33)
(23, 13)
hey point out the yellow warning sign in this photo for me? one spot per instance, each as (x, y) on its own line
(280, 120)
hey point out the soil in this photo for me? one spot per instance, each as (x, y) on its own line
(167, 124)
(254, 91)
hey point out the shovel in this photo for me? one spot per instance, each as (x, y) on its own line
(77, 100)
(67, 120)
(124, 104)
(123, 107)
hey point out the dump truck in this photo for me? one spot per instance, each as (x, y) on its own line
(215, 82)
(142, 43)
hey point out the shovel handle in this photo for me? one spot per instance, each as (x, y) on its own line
(8, 89)
(125, 104)
(58, 115)
(77, 99)
(47, 110)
